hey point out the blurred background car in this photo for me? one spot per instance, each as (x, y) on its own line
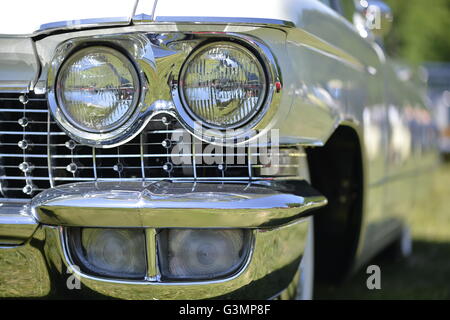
(439, 93)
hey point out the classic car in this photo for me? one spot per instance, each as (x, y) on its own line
(202, 149)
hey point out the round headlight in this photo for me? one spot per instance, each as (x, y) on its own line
(97, 89)
(223, 85)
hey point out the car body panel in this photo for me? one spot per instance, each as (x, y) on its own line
(18, 64)
(15, 20)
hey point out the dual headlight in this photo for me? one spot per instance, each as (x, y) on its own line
(223, 85)
(191, 254)
(98, 90)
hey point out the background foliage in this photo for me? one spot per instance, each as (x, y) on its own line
(421, 30)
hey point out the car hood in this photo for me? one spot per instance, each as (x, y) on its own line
(22, 17)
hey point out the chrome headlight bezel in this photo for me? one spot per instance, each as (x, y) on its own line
(260, 120)
(159, 59)
(123, 131)
(222, 44)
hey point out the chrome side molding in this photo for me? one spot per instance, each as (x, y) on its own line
(84, 23)
(168, 204)
(14, 86)
(274, 23)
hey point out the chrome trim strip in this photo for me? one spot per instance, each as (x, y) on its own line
(133, 155)
(49, 153)
(141, 150)
(152, 256)
(14, 86)
(226, 20)
(94, 163)
(17, 201)
(137, 179)
(38, 65)
(143, 18)
(21, 110)
(84, 23)
(32, 133)
(170, 205)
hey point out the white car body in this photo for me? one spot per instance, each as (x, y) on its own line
(19, 17)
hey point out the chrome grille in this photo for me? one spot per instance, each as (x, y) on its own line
(35, 154)
(24, 138)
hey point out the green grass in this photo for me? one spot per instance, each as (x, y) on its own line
(424, 275)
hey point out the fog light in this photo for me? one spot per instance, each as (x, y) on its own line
(118, 253)
(203, 253)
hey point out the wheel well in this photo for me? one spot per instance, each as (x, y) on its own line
(337, 172)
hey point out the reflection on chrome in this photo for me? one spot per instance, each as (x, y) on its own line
(223, 84)
(97, 89)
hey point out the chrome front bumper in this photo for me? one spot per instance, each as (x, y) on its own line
(34, 260)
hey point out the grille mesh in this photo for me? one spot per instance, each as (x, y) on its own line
(36, 155)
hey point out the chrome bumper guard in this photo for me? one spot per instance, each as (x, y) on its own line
(33, 235)
(171, 205)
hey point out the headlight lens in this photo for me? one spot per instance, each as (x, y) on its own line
(97, 89)
(118, 253)
(223, 85)
(202, 253)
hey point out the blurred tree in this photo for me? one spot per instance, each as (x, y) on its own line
(421, 30)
